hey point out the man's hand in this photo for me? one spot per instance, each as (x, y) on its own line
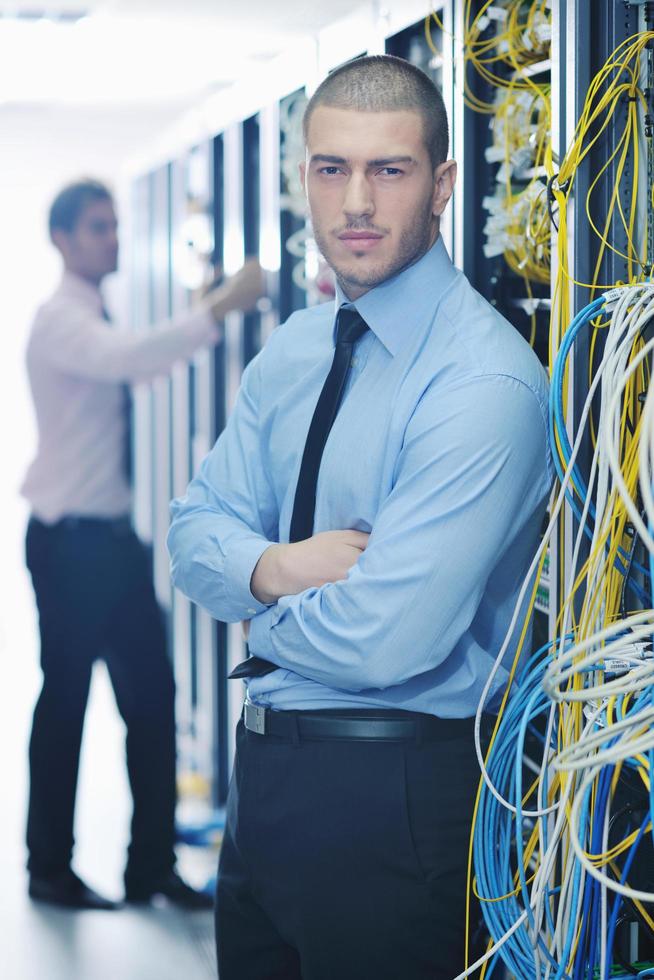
(287, 569)
(239, 292)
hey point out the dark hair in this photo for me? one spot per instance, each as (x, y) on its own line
(384, 83)
(69, 203)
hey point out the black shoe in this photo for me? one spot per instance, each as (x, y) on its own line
(67, 890)
(172, 887)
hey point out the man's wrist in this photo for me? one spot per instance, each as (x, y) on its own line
(218, 303)
(266, 583)
(225, 298)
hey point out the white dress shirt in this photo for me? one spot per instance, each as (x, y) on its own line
(77, 366)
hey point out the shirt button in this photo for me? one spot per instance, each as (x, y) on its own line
(252, 612)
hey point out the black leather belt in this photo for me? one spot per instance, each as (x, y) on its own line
(119, 526)
(386, 725)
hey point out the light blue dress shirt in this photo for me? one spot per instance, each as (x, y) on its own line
(439, 450)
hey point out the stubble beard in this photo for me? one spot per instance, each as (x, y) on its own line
(414, 242)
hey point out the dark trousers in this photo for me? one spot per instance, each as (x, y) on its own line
(345, 860)
(95, 599)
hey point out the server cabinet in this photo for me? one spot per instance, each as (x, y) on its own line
(251, 338)
(431, 49)
(292, 209)
(141, 397)
(202, 434)
(161, 405)
(182, 281)
(234, 254)
(221, 761)
(269, 230)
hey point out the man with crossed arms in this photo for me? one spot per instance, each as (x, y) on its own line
(370, 511)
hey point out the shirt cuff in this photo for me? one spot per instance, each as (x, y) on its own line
(239, 566)
(260, 638)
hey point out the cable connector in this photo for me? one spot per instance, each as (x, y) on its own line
(635, 655)
(591, 711)
(611, 297)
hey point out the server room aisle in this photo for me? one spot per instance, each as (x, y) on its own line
(38, 942)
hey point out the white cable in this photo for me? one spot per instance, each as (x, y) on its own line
(589, 752)
(491, 952)
(554, 513)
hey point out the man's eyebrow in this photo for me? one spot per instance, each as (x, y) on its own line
(389, 161)
(326, 158)
(382, 162)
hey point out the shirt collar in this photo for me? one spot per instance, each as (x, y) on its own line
(81, 289)
(405, 302)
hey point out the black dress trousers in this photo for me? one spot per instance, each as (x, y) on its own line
(95, 599)
(345, 860)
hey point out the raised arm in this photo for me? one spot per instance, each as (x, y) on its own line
(82, 343)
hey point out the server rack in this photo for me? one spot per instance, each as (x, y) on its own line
(583, 37)
(269, 235)
(202, 392)
(601, 30)
(142, 396)
(181, 459)
(221, 761)
(437, 61)
(291, 221)
(161, 403)
(234, 254)
(174, 424)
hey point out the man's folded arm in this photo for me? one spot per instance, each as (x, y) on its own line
(472, 471)
(228, 517)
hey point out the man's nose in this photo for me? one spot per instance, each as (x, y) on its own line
(358, 199)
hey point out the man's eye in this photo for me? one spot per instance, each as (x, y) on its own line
(330, 171)
(390, 171)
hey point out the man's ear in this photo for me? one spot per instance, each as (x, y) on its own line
(444, 180)
(303, 175)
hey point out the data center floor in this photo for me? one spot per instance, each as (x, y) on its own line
(39, 942)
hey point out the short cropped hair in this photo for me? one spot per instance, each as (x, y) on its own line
(384, 83)
(69, 203)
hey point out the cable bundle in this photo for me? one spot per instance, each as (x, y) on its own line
(502, 38)
(564, 810)
(563, 834)
(614, 94)
(504, 43)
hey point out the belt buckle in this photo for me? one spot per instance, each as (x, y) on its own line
(255, 718)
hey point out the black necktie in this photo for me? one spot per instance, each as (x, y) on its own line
(127, 415)
(349, 327)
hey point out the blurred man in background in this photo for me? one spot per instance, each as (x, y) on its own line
(92, 576)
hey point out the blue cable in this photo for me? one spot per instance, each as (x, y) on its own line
(613, 922)
(557, 426)
(499, 836)
(493, 863)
